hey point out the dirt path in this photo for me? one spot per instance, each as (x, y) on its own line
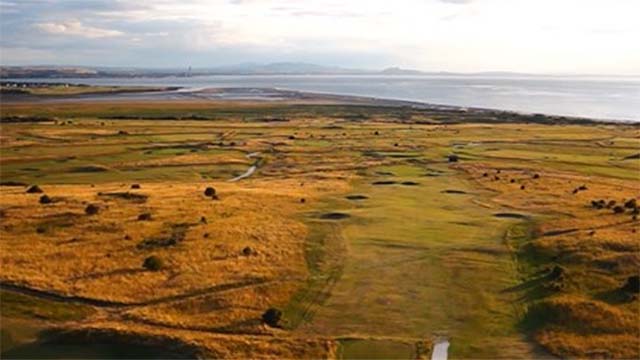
(251, 169)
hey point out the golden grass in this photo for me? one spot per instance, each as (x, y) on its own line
(211, 295)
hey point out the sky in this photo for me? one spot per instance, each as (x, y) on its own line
(535, 36)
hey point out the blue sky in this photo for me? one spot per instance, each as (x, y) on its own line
(540, 36)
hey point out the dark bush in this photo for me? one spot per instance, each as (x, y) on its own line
(34, 189)
(376, 133)
(632, 285)
(135, 186)
(618, 210)
(44, 199)
(396, 144)
(272, 317)
(611, 204)
(453, 158)
(127, 237)
(557, 272)
(485, 174)
(536, 176)
(631, 204)
(512, 181)
(582, 188)
(247, 251)
(291, 137)
(521, 187)
(203, 220)
(91, 209)
(303, 200)
(210, 191)
(152, 263)
(144, 217)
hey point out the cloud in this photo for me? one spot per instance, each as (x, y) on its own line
(459, 2)
(455, 35)
(76, 28)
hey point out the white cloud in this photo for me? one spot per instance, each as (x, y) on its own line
(76, 28)
(587, 36)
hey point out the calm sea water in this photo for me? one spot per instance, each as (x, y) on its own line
(600, 98)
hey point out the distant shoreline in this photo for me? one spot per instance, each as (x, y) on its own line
(280, 95)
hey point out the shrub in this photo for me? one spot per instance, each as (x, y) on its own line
(557, 272)
(618, 210)
(631, 204)
(485, 174)
(291, 137)
(512, 181)
(536, 176)
(144, 217)
(44, 199)
(152, 263)
(135, 186)
(303, 200)
(34, 189)
(632, 285)
(91, 209)
(611, 204)
(247, 251)
(272, 317)
(453, 158)
(203, 220)
(521, 187)
(209, 191)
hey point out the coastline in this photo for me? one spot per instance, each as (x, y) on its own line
(279, 95)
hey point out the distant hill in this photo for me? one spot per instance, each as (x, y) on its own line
(278, 68)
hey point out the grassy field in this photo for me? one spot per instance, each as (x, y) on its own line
(356, 225)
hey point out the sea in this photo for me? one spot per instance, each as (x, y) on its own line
(606, 98)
